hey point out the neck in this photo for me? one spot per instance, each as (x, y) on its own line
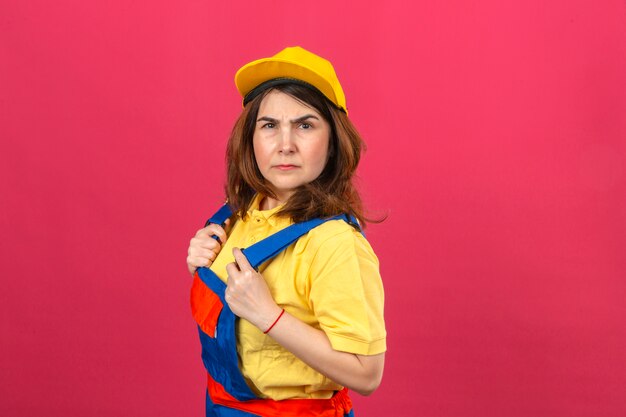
(268, 203)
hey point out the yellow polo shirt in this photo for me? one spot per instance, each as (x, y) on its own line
(330, 280)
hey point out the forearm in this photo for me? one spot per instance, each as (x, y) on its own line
(359, 373)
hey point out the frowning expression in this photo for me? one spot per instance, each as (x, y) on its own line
(290, 143)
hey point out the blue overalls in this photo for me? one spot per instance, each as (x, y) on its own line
(228, 394)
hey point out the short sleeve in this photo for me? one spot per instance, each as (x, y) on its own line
(346, 293)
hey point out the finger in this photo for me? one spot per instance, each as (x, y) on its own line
(205, 243)
(241, 260)
(205, 231)
(218, 232)
(232, 270)
(210, 252)
(195, 262)
(212, 229)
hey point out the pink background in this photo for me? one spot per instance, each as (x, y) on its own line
(497, 143)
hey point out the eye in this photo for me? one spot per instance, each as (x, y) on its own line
(268, 125)
(305, 126)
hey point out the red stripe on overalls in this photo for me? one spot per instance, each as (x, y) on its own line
(337, 406)
(205, 306)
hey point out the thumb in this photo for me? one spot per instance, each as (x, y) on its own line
(241, 260)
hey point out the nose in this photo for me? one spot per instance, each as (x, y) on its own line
(287, 144)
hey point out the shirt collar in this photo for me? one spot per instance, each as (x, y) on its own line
(269, 215)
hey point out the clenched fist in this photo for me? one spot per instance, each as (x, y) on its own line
(205, 245)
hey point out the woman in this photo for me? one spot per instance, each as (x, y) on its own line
(292, 321)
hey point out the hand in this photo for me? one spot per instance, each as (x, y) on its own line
(248, 295)
(203, 248)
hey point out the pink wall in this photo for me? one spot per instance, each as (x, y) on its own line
(497, 143)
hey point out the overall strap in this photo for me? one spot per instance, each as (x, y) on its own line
(220, 216)
(276, 243)
(273, 245)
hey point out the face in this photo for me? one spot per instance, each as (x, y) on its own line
(290, 143)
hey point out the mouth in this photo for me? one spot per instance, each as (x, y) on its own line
(285, 167)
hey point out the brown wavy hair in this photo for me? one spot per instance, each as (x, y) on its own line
(332, 193)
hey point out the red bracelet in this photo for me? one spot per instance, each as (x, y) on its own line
(275, 321)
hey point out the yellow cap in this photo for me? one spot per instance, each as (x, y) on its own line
(292, 63)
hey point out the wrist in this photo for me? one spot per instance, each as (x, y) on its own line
(280, 315)
(270, 318)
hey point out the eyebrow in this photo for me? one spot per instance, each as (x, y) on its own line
(294, 121)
